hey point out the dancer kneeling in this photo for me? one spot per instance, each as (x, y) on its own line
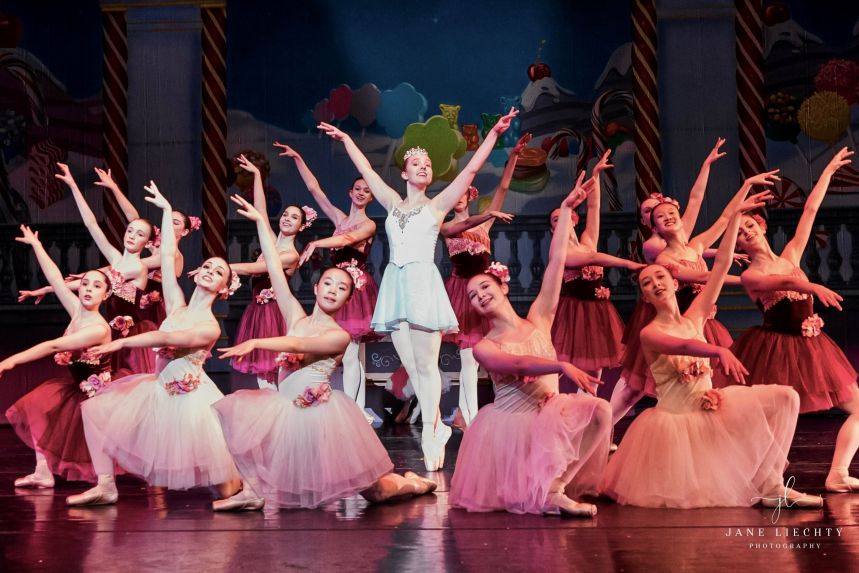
(306, 444)
(700, 446)
(532, 448)
(161, 426)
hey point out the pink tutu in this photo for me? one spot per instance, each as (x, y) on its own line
(587, 333)
(472, 326)
(354, 317)
(302, 456)
(261, 319)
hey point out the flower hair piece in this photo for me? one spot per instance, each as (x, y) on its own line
(660, 199)
(359, 279)
(473, 193)
(760, 221)
(195, 222)
(310, 215)
(414, 151)
(235, 283)
(499, 271)
(156, 242)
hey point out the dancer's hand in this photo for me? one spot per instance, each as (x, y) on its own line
(28, 236)
(506, 217)
(504, 123)
(732, 366)
(243, 162)
(715, 153)
(105, 179)
(840, 159)
(192, 274)
(742, 259)
(828, 297)
(581, 378)
(307, 253)
(39, 294)
(602, 164)
(156, 198)
(287, 150)
(579, 193)
(767, 178)
(331, 131)
(712, 399)
(108, 348)
(65, 175)
(7, 365)
(755, 201)
(521, 144)
(246, 209)
(239, 351)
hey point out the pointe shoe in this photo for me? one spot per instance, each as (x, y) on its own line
(433, 446)
(458, 421)
(442, 435)
(612, 448)
(428, 484)
(239, 502)
(836, 484)
(792, 500)
(559, 503)
(34, 481)
(99, 495)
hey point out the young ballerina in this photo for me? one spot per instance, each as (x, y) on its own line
(48, 418)
(261, 319)
(306, 444)
(790, 348)
(467, 241)
(587, 329)
(161, 426)
(152, 300)
(412, 306)
(532, 447)
(700, 446)
(352, 240)
(128, 278)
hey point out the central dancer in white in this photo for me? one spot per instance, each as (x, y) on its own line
(413, 306)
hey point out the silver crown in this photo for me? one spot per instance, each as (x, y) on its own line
(414, 151)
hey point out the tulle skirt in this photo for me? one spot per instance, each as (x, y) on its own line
(302, 457)
(174, 441)
(724, 458)
(472, 326)
(49, 418)
(588, 333)
(509, 460)
(813, 366)
(259, 321)
(415, 294)
(354, 317)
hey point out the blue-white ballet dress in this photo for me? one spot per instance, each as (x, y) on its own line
(412, 290)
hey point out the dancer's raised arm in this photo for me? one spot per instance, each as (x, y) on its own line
(173, 295)
(109, 251)
(796, 246)
(312, 184)
(696, 195)
(52, 273)
(105, 179)
(591, 236)
(259, 192)
(386, 196)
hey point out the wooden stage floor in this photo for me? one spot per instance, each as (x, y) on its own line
(153, 530)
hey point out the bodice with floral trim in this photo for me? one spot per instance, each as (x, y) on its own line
(681, 380)
(359, 251)
(521, 393)
(469, 251)
(789, 311)
(585, 283)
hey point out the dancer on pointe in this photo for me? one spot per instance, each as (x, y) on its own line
(48, 418)
(412, 306)
(152, 300)
(352, 240)
(261, 319)
(307, 444)
(587, 329)
(790, 348)
(701, 446)
(467, 241)
(128, 275)
(161, 426)
(532, 448)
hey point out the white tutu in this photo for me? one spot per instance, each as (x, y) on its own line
(302, 456)
(415, 294)
(171, 440)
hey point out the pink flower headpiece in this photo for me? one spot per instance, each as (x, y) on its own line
(310, 215)
(359, 279)
(499, 271)
(156, 242)
(473, 193)
(195, 222)
(760, 220)
(659, 199)
(235, 283)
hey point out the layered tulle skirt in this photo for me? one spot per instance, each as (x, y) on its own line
(302, 457)
(49, 418)
(588, 333)
(813, 366)
(354, 317)
(730, 457)
(415, 294)
(509, 460)
(259, 321)
(472, 326)
(173, 441)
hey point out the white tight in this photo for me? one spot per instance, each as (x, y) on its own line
(847, 441)
(623, 398)
(467, 384)
(354, 385)
(418, 351)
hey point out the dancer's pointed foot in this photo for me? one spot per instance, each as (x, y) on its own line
(35, 481)
(102, 494)
(558, 502)
(788, 498)
(424, 485)
(245, 500)
(841, 482)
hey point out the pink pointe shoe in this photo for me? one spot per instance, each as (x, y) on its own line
(559, 503)
(840, 483)
(102, 494)
(245, 500)
(434, 447)
(34, 481)
(787, 498)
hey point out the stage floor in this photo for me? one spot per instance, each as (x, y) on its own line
(153, 530)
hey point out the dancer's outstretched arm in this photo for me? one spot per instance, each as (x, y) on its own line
(106, 180)
(173, 295)
(359, 234)
(591, 236)
(577, 259)
(497, 201)
(312, 184)
(696, 195)
(109, 251)
(796, 246)
(259, 192)
(756, 281)
(663, 343)
(454, 228)
(58, 285)
(331, 342)
(289, 306)
(84, 338)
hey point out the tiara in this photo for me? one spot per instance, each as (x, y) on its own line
(414, 151)
(500, 271)
(310, 215)
(358, 277)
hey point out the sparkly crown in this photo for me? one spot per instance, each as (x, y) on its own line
(414, 151)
